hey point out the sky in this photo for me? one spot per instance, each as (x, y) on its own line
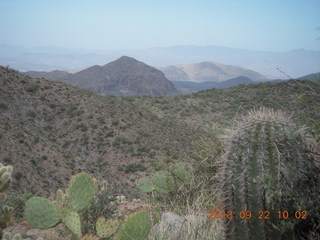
(267, 25)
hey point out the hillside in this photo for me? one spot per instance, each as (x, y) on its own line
(124, 77)
(208, 72)
(217, 109)
(311, 77)
(50, 130)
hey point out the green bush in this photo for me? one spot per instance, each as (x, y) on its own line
(134, 167)
(31, 113)
(3, 105)
(32, 87)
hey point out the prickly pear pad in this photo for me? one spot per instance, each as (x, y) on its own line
(145, 185)
(81, 191)
(137, 227)
(41, 213)
(106, 228)
(72, 220)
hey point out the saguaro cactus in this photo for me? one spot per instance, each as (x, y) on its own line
(266, 170)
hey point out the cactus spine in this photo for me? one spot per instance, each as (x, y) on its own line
(266, 168)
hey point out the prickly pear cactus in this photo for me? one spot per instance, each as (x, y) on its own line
(106, 228)
(5, 179)
(72, 221)
(58, 199)
(145, 185)
(81, 191)
(41, 213)
(136, 227)
(164, 181)
(265, 170)
(64, 206)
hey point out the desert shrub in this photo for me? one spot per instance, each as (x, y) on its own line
(134, 167)
(31, 113)
(3, 105)
(32, 88)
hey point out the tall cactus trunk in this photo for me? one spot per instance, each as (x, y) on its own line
(266, 170)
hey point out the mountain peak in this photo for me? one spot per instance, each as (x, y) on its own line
(122, 58)
(125, 76)
(126, 60)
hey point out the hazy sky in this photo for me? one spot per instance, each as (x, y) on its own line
(276, 25)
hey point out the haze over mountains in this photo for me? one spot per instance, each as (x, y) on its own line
(186, 87)
(129, 77)
(208, 72)
(295, 63)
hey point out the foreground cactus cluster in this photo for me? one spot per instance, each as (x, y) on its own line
(67, 207)
(266, 168)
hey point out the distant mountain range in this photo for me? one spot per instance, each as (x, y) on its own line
(208, 72)
(124, 77)
(187, 87)
(53, 75)
(294, 63)
(130, 77)
(127, 76)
